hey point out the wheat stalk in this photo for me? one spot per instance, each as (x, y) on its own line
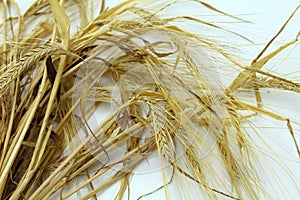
(26, 62)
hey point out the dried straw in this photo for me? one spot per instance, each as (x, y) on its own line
(163, 90)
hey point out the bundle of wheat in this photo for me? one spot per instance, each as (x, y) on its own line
(161, 84)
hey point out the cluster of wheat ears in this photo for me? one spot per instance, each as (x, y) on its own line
(162, 83)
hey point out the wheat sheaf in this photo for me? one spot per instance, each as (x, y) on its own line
(166, 86)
